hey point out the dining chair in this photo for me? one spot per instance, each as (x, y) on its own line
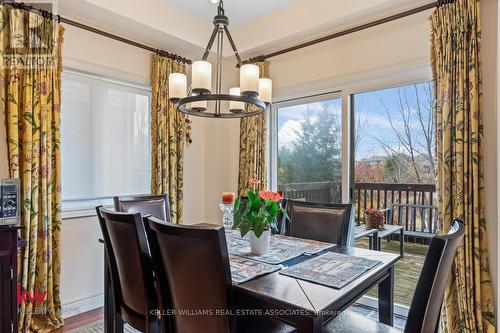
(319, 221)
(154, 205)
(194, 279)
(131, 270)
(425, 308)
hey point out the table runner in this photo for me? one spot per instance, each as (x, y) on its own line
(243, 269)
(281, 248)
(309, 246)
(331, 269)
(277, 254)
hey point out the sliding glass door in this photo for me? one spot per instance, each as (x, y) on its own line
(394, 172)
(370, 146)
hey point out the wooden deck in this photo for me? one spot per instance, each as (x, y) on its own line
(407, 269)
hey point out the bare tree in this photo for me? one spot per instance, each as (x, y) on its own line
(413, 125)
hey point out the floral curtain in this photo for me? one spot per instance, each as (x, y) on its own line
(170, 130)
(468, 305)
(253, 139)
(31, 85)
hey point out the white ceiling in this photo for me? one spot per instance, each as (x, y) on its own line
(257, 26)
(238, 11)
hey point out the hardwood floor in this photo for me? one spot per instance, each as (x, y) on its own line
(81, 320)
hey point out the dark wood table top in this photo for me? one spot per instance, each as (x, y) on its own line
(315, 298)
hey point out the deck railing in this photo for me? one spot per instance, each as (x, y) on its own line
(375, 195)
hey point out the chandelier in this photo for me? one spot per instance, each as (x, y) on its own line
(252, 97)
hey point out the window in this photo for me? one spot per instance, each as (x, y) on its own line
(105, 150)
(309, 161)
(394, 163)
(380, 144)
(394, 135)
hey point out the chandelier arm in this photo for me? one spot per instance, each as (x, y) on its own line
(233, 45)
(210, 43)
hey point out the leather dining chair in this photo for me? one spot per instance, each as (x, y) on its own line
(319, 221)
(154, 205)
(193, 273)
(425, 308)
(131, 270)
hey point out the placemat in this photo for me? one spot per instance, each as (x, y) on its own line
(309, 246)
(243, 269)
(277, 253)
(331, 269)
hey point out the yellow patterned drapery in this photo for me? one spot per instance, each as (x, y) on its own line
(169, 133)
(253, 140)
(469, 302)
(31, 86)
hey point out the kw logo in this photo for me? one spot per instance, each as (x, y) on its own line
(27, 297)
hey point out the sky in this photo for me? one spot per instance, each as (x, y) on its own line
(372, 111)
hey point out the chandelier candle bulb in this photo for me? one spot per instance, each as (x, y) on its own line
(249, 80)
(236, 107)
(201, 77)
(266, 90)
(177, 86)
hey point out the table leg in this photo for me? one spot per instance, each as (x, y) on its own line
(386, 299)
(376, 242)
(402, 243)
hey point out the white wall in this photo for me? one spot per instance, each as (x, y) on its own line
(490, 56)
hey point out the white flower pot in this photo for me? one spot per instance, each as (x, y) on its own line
(259, 246)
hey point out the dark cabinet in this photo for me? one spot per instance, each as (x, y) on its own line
(8, 282)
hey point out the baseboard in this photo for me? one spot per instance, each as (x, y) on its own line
(75, 308)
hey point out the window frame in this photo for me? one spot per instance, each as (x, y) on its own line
(87, 208)
(346, 92)
(273, 140)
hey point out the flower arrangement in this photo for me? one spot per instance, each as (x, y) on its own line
(375, 219)
(257, 212)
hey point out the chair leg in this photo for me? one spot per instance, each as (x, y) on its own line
(118, 323)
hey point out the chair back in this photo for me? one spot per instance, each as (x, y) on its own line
(423, 316)
(154, 205)
(319, 221)
(192, 266)
(130, 268)
(420, 218)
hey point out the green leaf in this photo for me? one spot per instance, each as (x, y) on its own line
(244, 229)
(252, 197)
(258, 228)
(285, 213)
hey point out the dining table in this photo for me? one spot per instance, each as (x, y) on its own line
(304, 304)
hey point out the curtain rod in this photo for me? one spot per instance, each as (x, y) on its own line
(47, 14)
(349, 31)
